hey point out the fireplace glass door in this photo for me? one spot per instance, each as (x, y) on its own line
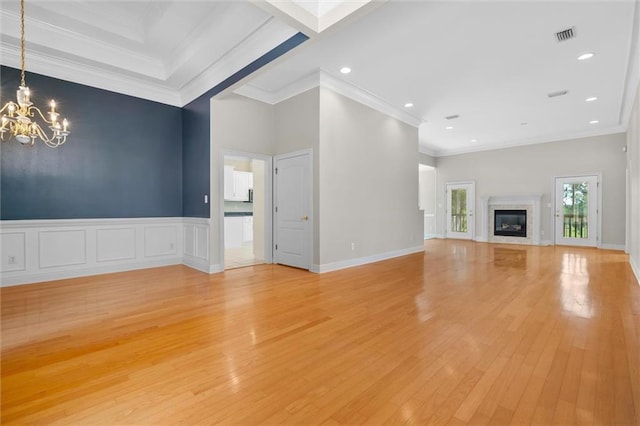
(576, 216)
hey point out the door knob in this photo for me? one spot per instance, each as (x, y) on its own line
(305, 217)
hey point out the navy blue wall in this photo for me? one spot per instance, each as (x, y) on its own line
(122, 159)
(125, 157)
(196, 134)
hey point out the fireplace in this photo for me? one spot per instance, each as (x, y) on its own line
(510, 223)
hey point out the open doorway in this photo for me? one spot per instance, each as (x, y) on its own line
(427, 198)
(245, 211)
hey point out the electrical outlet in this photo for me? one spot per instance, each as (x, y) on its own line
(171, 246)
(206, 199)
(353, 246)
(12, 260)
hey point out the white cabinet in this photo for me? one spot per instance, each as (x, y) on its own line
(237, 184)
(247, 229)
(237, 230)
(233, 227)
(241, 182)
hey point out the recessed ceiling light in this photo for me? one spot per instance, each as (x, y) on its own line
(585, 56)
(474, 140)
(591, 99)
(408, 105)
(449, 127)
(345, 70)
(594, 122)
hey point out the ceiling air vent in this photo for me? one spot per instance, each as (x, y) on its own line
(556, 94)
(452, 117)
(565, 35)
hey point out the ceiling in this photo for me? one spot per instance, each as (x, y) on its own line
(492, 63)
(166, 51)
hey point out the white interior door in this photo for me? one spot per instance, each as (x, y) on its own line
(460, 208)
(576, 214)
(292, 210)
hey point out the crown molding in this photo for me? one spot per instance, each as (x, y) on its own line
(530, 141)
(54, 64)
(299, 86)
(264, 39)
(64, 69)
(323, 79)
(87, 48)
(427, 150)
(366, 98)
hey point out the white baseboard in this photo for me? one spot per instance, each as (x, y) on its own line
(201, 265)
(431, 236)
(613, 247)
(635, 268)
(214, 269)
(343, 264)
(481, 239)
(546, 242)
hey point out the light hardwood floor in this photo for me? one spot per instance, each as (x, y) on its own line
(464, 333)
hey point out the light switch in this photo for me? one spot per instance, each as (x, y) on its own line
(206, 199)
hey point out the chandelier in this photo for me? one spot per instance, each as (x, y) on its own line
(19, 118)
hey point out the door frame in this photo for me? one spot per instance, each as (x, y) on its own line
(471, 224)
(268, 197)
(311, 221)
(598, 176)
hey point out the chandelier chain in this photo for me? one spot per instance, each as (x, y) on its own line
(21, 120)
(22, 81)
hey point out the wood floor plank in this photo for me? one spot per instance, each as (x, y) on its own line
(464, 333)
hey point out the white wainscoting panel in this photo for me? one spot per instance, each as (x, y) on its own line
(160, 241)
(189, 239)
(116, 244)
(202, 242)
(12, 251)
(196, 244)
(62, 248)
(44, 250)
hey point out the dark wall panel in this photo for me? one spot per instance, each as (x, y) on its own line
(122, 159)
(196, 157)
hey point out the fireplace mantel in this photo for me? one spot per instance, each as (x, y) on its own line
(531, 200)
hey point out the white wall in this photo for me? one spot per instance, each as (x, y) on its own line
(531, 170)
(259, 205)
(633, 167)
(297, 128)
(368, 183)
(365, 173)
